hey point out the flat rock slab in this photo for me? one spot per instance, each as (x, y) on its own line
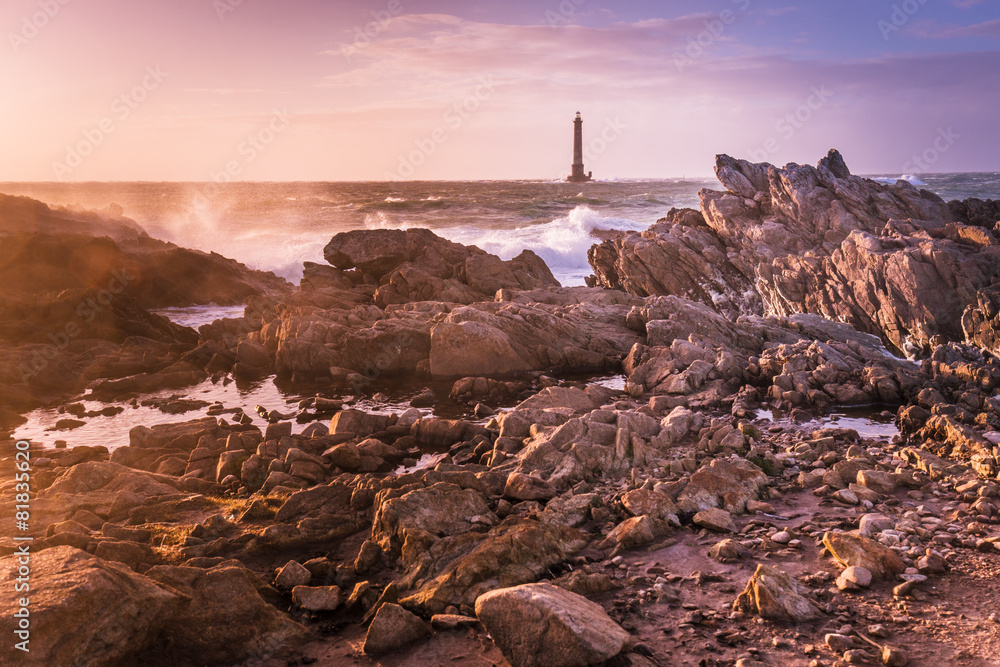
(715, 519)
(540, 625)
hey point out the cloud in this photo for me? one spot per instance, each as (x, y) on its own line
(935, 30)
(237, 91)
(423, 61)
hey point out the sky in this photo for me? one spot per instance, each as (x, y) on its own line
(328, 90)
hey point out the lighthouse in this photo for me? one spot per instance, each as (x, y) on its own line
(578, 175)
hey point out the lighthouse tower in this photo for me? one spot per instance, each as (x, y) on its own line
(578, 175)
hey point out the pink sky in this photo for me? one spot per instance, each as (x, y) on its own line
(192, 89)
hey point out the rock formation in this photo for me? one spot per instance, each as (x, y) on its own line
(889, 260)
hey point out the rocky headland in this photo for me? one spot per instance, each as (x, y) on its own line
(551, 519)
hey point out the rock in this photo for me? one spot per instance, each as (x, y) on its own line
(728, 550)
(781, 537)
(675, 426)
(424, 399)
(453, 622)
(357, 423)
(643, 501)
(715, 519)
(773, 594)
(894, 657)
(527, 487)
(369, 557)
(125, 612)
(344, 456)
(726, 483)
(846, 496)
(873, 524)
(517, 551)
(632, 532)
(878, 481)
(439, 510)
(393, 628)
(291, 575)
(226, 620)
(838, 643)
(854, 578)
(932, 563)
(879, 560)
(539, 625)
(317, 598)
(816, 238)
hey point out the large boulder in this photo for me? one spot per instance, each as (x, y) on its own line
(540, 625)
(439, 510)
(724, 483)
(518, 551)
(418, 265)
(83, 611)
(225, 620)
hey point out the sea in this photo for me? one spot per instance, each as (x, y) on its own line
(278, 226)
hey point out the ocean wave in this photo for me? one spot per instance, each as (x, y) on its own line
(563, 243)
(912, 179)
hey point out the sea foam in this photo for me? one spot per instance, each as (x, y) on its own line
(563, 243)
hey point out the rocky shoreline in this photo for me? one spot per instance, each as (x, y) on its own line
(660, 523)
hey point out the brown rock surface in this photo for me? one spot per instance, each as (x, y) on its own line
(539, 625)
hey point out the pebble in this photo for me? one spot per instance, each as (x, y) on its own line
(782, 537)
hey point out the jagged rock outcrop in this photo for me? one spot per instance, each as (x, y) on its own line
(419, 265)
(889, 260)
(75, 287)
(489, 318)
(679, 255)
(976, 212)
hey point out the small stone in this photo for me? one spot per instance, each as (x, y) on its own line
(715, 519)
(893, 657)
(847, 497)
(392, 628)
(782, 537)
(838, 643)
(878, 631)
(856, 657)
(773, 594)
(905, 588)
(728, 550)
(453, 622)
(317, 598)
(291, 575)
(873, 524)
(854, 578)
(932, 563)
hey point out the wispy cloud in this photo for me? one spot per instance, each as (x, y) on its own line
(238, 91)
(935, 30)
